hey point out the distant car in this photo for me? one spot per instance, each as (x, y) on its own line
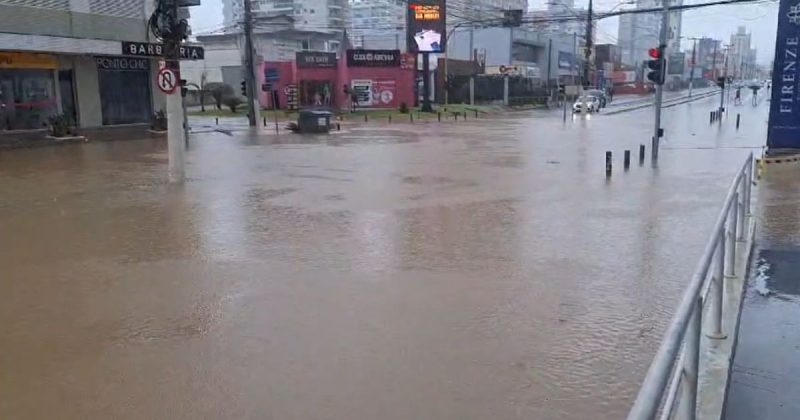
(601, 95)
(592, 104)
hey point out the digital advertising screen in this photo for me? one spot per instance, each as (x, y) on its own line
(427, 30)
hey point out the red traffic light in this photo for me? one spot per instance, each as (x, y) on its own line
(654, 52)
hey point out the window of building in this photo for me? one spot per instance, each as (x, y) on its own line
(304, 45)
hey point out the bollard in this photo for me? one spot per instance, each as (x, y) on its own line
(216, 121)
(641, 154)
(411, 116)
(439, 116)
(338, 127)
(626, 162)
(390, 118)
(711, 117)
(455, 115)
(465, 115)
(476, 113)
(264, 120)
(738, 116)
(365, 117)
(608, 163)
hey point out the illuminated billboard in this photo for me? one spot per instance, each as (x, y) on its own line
(427, 31)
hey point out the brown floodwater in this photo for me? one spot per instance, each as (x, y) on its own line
(456, 271)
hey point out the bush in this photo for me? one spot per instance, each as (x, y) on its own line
(403, 108)
(219, 91)
(60, 125)
(233, 102)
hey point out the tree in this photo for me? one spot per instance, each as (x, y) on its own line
(202, 93)
(219, 91)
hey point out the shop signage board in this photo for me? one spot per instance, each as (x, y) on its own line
(292, 98)
(427, 29)
(122, 63)
(373, 58)
(166, 80)
(149, 49)
(783, 130)
(315, 59)
(375, 92)
(18, 60)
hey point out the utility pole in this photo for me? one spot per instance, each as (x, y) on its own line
(171, 31)
(724, 83)
(660, 87)
(588, 52)
(249, 77)
(691, 71)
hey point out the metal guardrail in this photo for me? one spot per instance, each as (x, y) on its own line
(676, 364)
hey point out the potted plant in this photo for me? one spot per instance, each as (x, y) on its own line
(158, 124)
(60, 126)
(61, 129)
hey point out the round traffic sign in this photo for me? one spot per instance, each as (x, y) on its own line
(166, 80)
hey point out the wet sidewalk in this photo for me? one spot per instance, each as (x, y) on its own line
(765, 377)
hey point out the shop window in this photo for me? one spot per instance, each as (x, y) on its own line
(27, 98)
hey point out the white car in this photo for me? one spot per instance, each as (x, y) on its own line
(592, 104)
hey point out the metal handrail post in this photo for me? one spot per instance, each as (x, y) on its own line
(691, 364)
(748, 185)
(740, 212)
(717, 279)
(730, 253)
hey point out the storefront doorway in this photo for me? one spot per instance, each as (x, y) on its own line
(124, 90)
(66, 88)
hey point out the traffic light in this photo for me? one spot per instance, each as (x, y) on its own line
(721, 82)
(244, 88)
(656, 65)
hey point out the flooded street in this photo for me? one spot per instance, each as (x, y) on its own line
(472, 270)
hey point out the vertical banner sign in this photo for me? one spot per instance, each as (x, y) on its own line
(784, 113)
(426, 30)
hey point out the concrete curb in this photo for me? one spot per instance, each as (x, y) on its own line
(716, 356)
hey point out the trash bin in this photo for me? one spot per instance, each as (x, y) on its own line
(314, 121)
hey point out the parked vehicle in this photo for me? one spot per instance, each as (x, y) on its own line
(600, 95)
(592, 104)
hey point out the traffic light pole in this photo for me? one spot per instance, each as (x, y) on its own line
(660, 87)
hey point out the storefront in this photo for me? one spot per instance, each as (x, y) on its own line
(27, 90)
(124, 83)
(376, 78)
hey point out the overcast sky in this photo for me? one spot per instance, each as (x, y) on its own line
(716, 22)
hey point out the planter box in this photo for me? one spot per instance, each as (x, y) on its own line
(68, 139)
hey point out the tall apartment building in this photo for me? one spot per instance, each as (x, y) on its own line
(638, 32)
(741, 57)
(378, 23)
(66, 57)
(309, 15)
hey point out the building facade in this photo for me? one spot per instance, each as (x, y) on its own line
(741, 57)
(534, 54)
(638, 32)
(378, 23)
(308, 15)
(66, 57)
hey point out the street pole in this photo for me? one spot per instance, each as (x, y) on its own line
(249, 77)
(176, 143)
(588, 52)
(426, 83)
(660, 87)
(691, 71)
(549, 59)
(724, 83)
